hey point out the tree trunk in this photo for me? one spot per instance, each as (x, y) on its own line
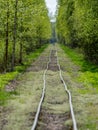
(14, 36)
(20, 55)
(21, 45)
(7, 39)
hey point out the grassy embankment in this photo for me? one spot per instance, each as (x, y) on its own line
(8, 77)
(84, 88)
(88, 74)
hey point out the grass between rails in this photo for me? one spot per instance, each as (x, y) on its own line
(88, 74)
(8, 77)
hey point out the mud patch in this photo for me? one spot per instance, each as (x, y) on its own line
(3, 112)
(39, 64)
(11, 87)
(53, 63)
(53, 67)
(51, 121)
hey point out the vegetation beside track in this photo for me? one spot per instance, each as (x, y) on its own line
(10, 76)
(24, 27)
(88, 72)
(20, 109)
(79, 26)
(23, 105)
(82, 79)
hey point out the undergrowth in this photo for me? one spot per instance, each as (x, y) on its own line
(10, 76)
(88, 74)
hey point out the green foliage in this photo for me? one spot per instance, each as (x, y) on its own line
(88, 73)
(33, 29)
(79, 26)
(5, 78)
(65, 16)
(28, 58)
(89, 79)
(8, 77)
(78, 59)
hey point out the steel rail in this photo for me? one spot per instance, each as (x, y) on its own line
(42, 97)
(69, 95)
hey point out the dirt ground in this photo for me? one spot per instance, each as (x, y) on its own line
(55, 111)
(19, 112)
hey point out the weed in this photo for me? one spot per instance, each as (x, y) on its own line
(10, 76)
(78, 59)
(88, 74)
(83, 84)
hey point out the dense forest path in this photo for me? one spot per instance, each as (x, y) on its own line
(19, 112)
(54, 95)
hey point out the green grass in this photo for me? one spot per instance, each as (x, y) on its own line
(82, 81)
(88, 74)
(8, 77)
(30, 58)
(5, 78)
(78, 58)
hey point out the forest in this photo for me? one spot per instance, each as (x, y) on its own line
(48, 65)
(24, 27)
(77, 26)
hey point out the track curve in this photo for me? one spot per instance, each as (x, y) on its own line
(54, 49)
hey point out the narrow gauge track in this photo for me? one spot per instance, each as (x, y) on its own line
(53, 64)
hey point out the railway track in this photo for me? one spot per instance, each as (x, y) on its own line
(54, 66)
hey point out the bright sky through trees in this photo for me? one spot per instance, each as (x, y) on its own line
(51, 4)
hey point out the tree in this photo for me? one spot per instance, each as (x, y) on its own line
(79, 26)
(25, 26)
(14, 36)
(7, 37)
